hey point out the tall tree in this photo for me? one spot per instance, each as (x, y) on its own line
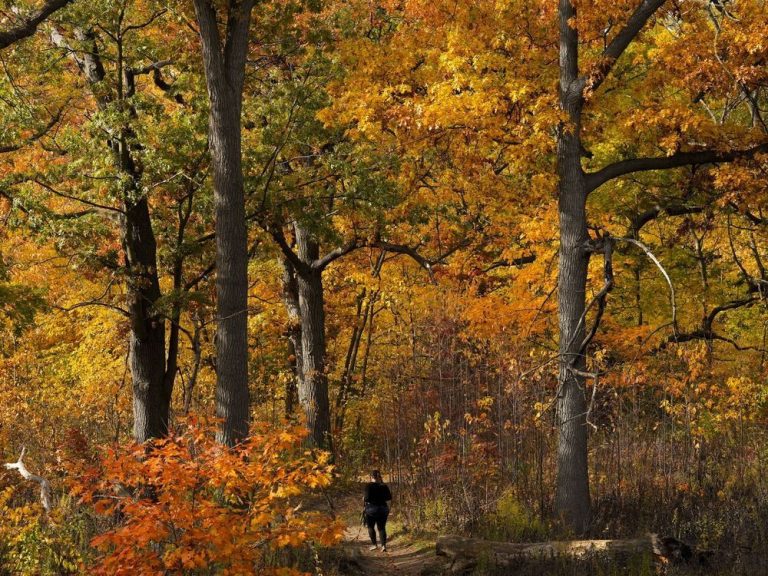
(577, 87)
(111, 72)
(224, 59)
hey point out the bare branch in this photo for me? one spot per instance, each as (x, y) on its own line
(56, 192)
(600, 298)
(656, 261)
(322, 263)
(515, 262)
(640, 220)
(45, 488)
(620, 42)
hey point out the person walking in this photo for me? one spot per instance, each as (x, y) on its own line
(376, 510)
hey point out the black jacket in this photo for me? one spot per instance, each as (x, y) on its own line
(377, 494)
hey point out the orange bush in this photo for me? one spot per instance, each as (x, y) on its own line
(186, 504)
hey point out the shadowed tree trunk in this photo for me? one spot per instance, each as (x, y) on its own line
(313, 384)
(308, 268)
(151, 387)
(293, 334)
(224, 64)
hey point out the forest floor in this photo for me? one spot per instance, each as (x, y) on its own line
(406, 555)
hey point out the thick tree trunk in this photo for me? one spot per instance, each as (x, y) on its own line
(232, 402)
(224, 64)
(313, 385)
(151, 390)
(572, 499)
(293, 334)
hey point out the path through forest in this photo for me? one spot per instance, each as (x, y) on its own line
(406, 555)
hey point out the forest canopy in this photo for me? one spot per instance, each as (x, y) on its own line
(513, 253)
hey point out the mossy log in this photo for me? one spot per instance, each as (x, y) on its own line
(466, 553)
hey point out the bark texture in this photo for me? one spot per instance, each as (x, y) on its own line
(224, 63)
(27, 23)
(572, 498)
(313, 385)
(293, 335)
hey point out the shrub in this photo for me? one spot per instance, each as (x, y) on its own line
(187, 505)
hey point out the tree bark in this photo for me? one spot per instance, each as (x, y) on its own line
(28, 23)
(293, 333)
(572, 498)
(224, 73)
(151, 389)
(313, 385)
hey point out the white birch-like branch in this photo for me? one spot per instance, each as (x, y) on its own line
(45, 488)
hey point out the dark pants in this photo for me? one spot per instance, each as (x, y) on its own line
(377, 519)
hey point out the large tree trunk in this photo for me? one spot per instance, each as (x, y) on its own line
(572, 500)
(313, 385)
(231, 266)
(225, 72)
(293, 333)
(151, 390)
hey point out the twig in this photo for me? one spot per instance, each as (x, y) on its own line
(656, 261)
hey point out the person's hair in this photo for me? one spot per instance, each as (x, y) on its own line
(377, 476)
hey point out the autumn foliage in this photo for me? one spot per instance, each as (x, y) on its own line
(402, 187)
(186, 505)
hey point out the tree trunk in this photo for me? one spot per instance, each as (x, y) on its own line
(224, 73)
(313, 386)
(293, 333)
(231, 267)
(151, 390)
(572, 499)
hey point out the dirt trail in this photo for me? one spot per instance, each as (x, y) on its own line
(405, 555)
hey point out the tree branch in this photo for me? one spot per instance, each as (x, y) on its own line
(276, 231)
(640, 220)
(656, 261)
(45, 488)
(36, 136)
(322, 263)
(600, 298)
(28, 24)
(408, 251)
(620, 42)
(596, 179)
(515, 262)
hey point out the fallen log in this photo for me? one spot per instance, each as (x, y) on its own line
(466, 553)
